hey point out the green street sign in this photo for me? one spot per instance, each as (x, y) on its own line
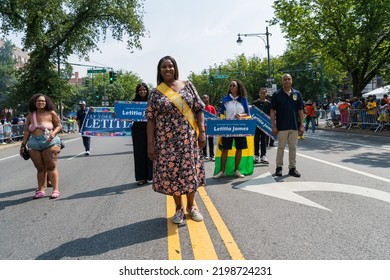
(220, 76)
(92, 71)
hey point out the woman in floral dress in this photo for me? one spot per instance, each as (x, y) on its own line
(173, 144)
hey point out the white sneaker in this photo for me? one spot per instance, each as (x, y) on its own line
(219, 175)
(195, 214)
(257, 159)
(238, 174)
(264, 159)
(212, 158)
(87, 153)
(206, 158)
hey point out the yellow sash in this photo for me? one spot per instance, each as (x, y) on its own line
(180, 104)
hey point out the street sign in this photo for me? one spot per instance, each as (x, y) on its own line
(220, 76)
(93, 71)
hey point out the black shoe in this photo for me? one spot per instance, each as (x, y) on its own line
(278, 171)
(294, 172)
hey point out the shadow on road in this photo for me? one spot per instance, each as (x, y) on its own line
(110, 240)
(115, 190)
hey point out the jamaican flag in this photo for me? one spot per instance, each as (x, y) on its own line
(246, 163)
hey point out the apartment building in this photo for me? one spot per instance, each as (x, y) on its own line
(19, 55)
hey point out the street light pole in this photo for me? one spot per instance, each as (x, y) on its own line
(259, 35)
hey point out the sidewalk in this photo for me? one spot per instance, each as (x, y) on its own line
(384, 132)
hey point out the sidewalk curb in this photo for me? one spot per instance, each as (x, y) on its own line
(383, 133)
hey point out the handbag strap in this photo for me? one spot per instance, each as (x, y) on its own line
(180, 104)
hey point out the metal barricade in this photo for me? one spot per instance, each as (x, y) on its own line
(363, 119)
(383, 119)
(69, 126)
(11, 132)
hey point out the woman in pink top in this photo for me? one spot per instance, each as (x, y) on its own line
(43, 144)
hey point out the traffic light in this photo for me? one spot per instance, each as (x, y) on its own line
(86, 81)
(111, 76)
(308, 66)
(211, 80)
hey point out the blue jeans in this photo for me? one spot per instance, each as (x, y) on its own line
(313, 123)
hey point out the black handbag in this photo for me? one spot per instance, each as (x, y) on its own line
(25, 154)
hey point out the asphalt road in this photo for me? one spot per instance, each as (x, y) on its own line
(337, 210)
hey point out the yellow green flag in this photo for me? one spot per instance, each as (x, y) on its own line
(246, 163)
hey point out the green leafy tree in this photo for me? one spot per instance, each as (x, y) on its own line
(354, 33)
(55, 29)
(7, 73)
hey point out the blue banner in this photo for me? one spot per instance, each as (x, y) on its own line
(208, 115)
(100, 121)
(263, 121)
(230, 127)
(130, 110)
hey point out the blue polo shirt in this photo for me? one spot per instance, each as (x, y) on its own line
(287, 108)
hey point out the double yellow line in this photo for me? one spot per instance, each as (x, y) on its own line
(202, 245)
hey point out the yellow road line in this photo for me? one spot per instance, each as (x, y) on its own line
(174, 251)
(201, 243)
(224, 232)
(202, 246)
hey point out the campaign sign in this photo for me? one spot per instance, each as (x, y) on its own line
(207, 116)
(100, 121)
(230, 127)
(130, 110)
(263, 121)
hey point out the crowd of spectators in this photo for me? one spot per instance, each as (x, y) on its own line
(363, 112)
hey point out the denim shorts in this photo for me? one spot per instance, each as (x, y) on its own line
(40, 143)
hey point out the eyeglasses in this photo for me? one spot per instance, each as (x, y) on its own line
(40, 101)
(233, 85)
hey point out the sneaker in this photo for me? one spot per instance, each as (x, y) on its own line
(206, 158)
(293, 172)
(212, 158)
(178, 218)
(278, 171)
(238, 174)
(264, 159)
(257, 159)
(87, 153)
(219, 175)
(195, 214)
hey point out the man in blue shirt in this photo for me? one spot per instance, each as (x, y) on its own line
(286, 120)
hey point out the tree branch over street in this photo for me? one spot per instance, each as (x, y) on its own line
(56, 29)
(356, 33)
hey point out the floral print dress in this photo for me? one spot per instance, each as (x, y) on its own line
(179, 167)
